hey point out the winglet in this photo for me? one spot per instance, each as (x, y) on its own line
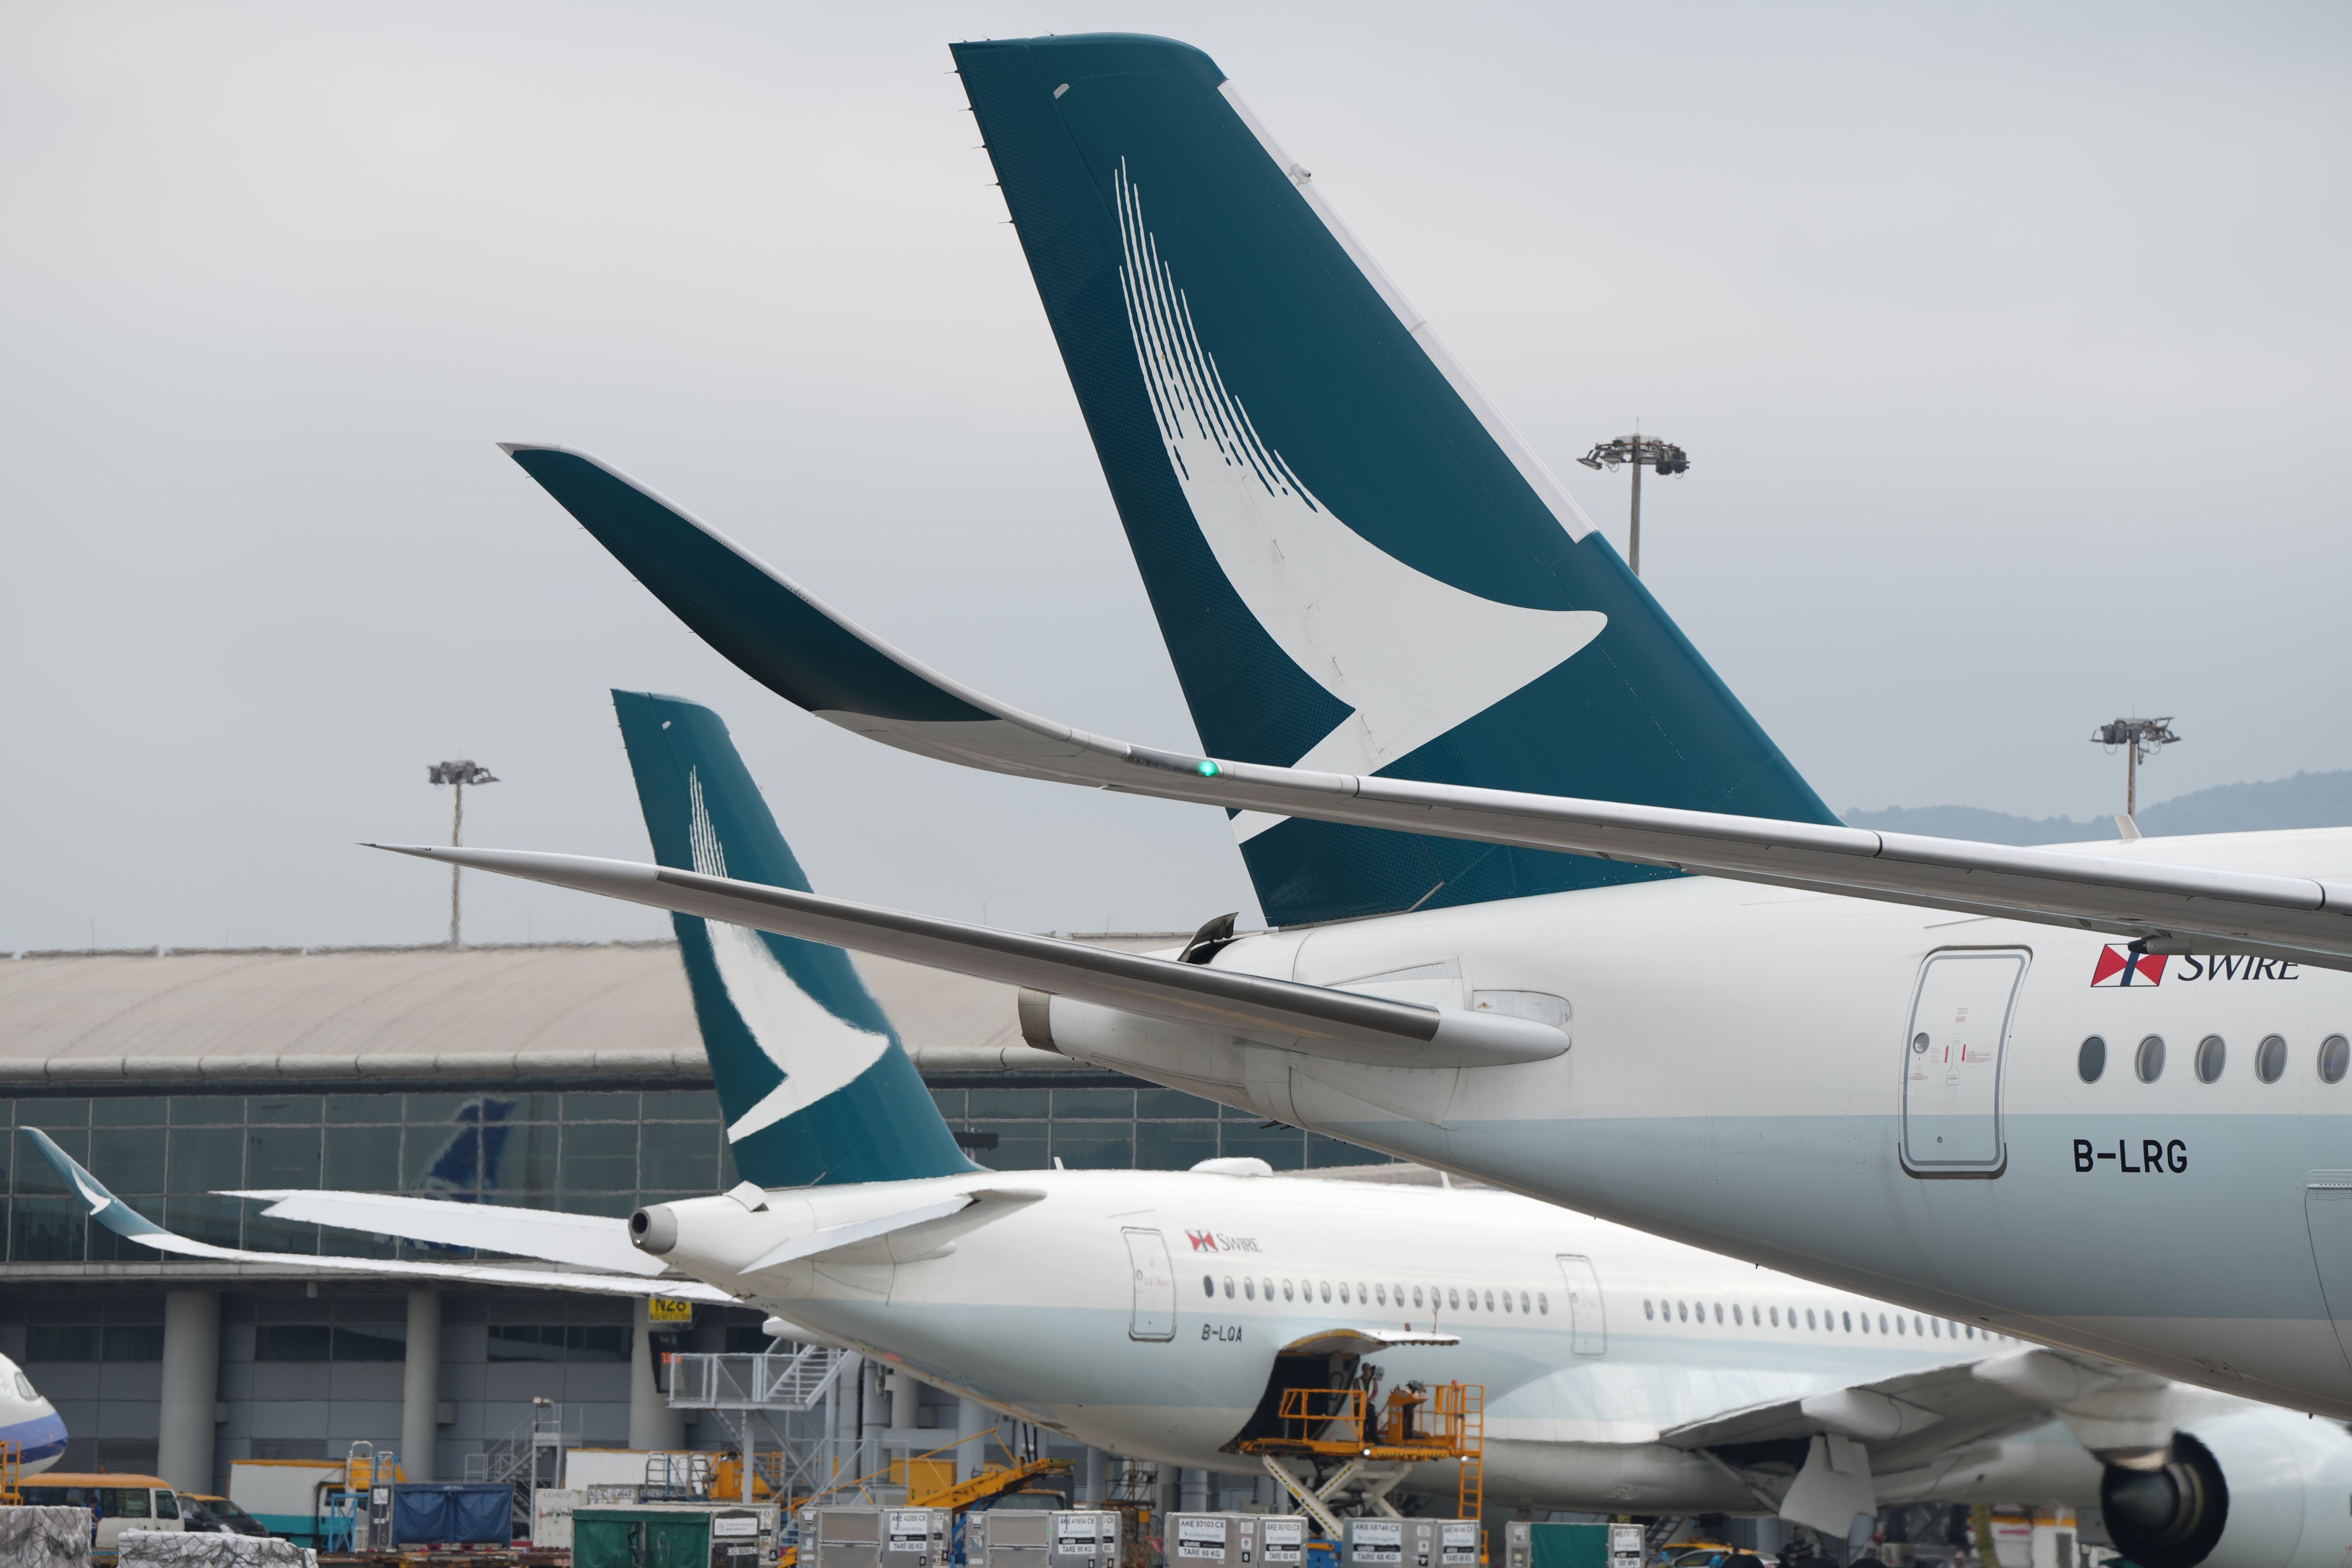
(104, 1207)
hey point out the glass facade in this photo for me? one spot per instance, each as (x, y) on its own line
(603, 1151)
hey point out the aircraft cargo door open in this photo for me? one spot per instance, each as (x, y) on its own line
(1588, 1331)
(1952, 1062)
(1154, 1315)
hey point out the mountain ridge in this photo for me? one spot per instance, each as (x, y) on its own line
(2304, 800)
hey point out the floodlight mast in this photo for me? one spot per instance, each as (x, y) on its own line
(457, 774)
(1635, 450)
(2141, 739)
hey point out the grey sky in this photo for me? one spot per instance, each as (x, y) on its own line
(2010, 345)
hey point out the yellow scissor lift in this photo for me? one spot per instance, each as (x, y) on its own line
(1373, 1449)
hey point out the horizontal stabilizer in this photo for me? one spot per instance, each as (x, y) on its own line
(124, 1221)
(590, 1241)
(805, 651)
(1313, 1019)
(921, 1225)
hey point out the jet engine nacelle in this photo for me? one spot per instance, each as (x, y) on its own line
(2254, 1487)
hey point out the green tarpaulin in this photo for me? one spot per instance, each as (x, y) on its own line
(1570, 1545)
(635, 1538)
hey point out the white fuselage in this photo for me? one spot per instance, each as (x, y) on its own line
(1743, 1076)
(29, 1421)
(1141, 1312)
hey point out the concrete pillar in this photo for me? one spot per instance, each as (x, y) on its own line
(420, 1386)
(652, 1423)
(183, 1438)
(1194, 1492)
(873, 1425)
(972, 1418)
(1094, 1480)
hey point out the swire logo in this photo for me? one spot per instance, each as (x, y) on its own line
(1213, 1241)
(2121, 966)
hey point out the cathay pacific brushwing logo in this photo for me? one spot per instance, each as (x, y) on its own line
(817, 1052)
(1414, 656)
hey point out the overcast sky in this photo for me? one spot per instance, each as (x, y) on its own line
(2010, 345)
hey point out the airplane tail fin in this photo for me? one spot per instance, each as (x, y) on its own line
(813, 1082)
(1357, 565)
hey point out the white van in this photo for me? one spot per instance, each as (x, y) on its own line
(122, 1500)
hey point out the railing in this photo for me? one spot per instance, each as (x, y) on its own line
(1445, 1421)
(529, 1456)
(766, 1381)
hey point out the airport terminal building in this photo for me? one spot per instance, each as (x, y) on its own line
(566, 1077)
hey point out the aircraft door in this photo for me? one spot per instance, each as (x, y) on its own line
(1154, 1313)
(1952, 1061)
(1588, 1330)
(2327, 1212)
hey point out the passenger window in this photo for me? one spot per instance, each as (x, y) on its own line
(1383, 1292)
(1972, 1331)
(1523, 1300)
(1808, 1318)
(1416, 1295)
(1849, 1322)
(1882, 1322)
(1285, 1290)
(1343, 1292)
(1647, 1309)
(1543, 1304)
(1898, 1325)
(1229, 1287)
(1776, 1316)
(2270, 1059)
(1490, 1300)
(1266, 1286)
(2334, 1056)
(1719, 1311)
(1209, 1287)
(2150, 1063)
(1507, 1300)
(1325, 1290)
(1736, 1318)
(1682, 1310)
(2092, 1059)
(1362, 1295)
(1453, 1300)
(1918, 1325)
(2212, 1056)
(1865, 1323)
(1249, 1289)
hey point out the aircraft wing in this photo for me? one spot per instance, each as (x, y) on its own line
(1315, 1020)
(804, 651)
(126, 1221)
(2116, 1411)
(1818, 1459)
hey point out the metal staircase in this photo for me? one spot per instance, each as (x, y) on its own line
(766, 1381)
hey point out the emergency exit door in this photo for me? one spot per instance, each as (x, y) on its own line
(1588, 1330)
(2327, 1213)
(1952, 1062)
(1153, 1316)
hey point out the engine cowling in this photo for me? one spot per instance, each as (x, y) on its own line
(2253, 1487)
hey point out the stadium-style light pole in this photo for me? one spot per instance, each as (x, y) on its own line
(1637, 450)
(458, 774)
(2140, 738)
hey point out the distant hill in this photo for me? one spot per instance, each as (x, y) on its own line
(2306, 800)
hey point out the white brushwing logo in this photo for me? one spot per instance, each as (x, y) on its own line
(1414, 656)
(818, 1053)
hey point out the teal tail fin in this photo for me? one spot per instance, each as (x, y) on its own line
(1357, 565)
(814, 1082)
